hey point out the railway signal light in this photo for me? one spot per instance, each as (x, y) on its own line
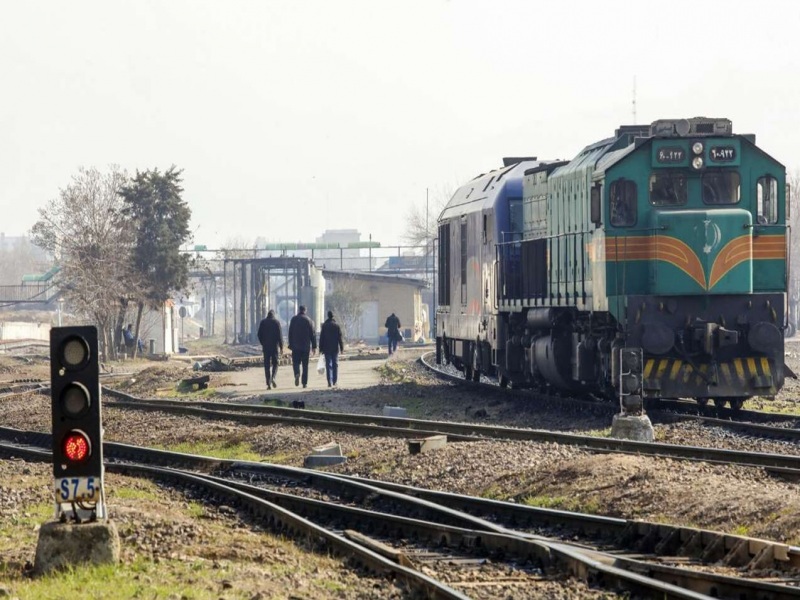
(630, 380)
(77, 427)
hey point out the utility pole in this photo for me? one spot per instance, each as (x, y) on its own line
(634, 100)
(432, 307)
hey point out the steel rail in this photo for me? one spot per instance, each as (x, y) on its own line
(693, 409)
(651, 537)
(785, 464)
(277, 518)
(589, 565)
(676, 406)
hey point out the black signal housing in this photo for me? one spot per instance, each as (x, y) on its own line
(75, 389)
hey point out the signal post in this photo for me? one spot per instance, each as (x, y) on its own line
(631, 423)
(81, 531)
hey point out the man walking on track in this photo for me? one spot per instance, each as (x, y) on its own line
(271, 339)
(330, 343)
(302, 341)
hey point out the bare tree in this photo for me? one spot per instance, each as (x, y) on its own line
(346, 301)
(421, 217)
(84, 230)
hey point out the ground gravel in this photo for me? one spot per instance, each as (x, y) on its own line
(734, 499)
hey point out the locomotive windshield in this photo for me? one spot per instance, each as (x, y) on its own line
(721, 187)
(667, 188)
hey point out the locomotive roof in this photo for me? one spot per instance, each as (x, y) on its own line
(483, 190)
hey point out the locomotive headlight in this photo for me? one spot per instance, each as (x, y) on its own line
(697, 162)
(697, 147)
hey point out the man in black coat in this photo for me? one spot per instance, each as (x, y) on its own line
(302, 341)
(330, 343)
(271, 338)
(392, 332)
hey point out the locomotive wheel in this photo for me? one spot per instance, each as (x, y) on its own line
(720, 402)
(503, 381)
(476, 375)
(702, 401)
(737, 403)
(468, 372)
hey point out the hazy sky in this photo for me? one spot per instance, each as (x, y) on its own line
(290, 118)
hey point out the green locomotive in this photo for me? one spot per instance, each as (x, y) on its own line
(653, 264)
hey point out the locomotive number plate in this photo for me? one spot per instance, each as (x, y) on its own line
(670, 154)
(78, 489)
(722, 153)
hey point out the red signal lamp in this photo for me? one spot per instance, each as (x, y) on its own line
(77, 447)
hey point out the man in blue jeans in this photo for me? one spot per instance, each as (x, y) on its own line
(330, 343)
(302, 341)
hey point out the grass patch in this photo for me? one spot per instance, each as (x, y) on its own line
(138, 579)
(588, 505)
(276, 402)
(771, 405)
(278, 459)
(129, 493)
(217, 449)
(494, 492)
(545, 501)
(743, 530)
(20, 529)
(601, 433)
(185, 389)
(394, 374)
(196, 510)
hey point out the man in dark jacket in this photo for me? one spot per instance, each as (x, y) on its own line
(330, 343)
(302, 341)
(392, 332)
(271, 338)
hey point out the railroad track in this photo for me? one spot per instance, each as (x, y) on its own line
(22, 386)
(787, 465)
(456, 534)
(662, 411)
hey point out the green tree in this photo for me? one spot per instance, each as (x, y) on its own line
(159, 218)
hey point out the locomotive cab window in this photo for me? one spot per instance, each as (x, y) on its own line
(622, 203)
(767, 196)
(667, 188)
(721, 187)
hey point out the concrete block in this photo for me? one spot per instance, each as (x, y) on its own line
(394, 411)
(63, 545)
(637, 428)
(331, 449)
(323, 460)
(427, 444)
